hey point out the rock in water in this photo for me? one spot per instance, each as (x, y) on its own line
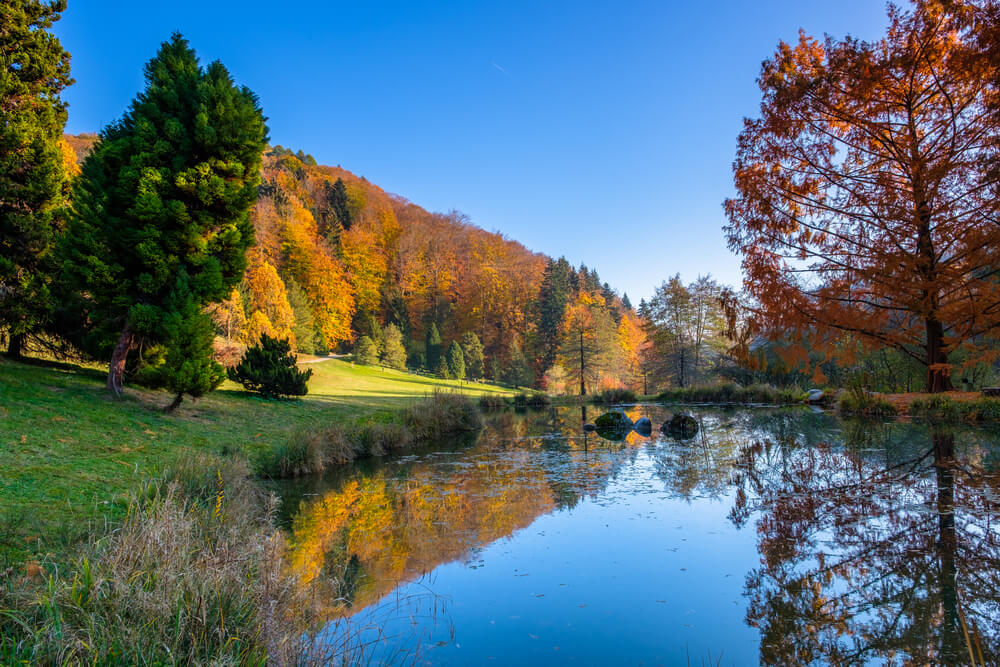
(589, 428)
(643, 426)
(613, 425)
(682, 426)
(815, 395)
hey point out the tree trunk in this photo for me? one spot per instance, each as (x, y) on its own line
(175, 403)
(583, 367)
(15, 346)
(938, 369)
(116, 370)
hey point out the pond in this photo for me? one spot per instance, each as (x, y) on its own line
(780, 537)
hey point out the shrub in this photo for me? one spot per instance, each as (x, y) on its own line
(853, 404)
(534, 399)
(940, 407)
(615, 397)
(269, 369)
(492, 402)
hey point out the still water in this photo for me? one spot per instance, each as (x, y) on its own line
(780, 537)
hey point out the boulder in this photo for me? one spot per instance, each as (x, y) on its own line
(643, 426)
(815, 395)
(613, 425)
(682, 426)
(589, 428)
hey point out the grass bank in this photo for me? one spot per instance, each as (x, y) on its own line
(733, 394)
(70, 454)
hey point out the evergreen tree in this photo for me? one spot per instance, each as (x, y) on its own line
(626, 302)
(188, 334)
(393, 351)
(432, 348)
(551, 306)
(34, 69)
(456, 361)
(517, 371)
(270, 369)
(304, 328)
(472, 349)
(167, 189)
(340, 203)
(366, 352)
(442, 370)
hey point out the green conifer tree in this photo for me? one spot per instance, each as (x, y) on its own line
(456, 361)
(34, 69)
(341, 204)
(304, 328)
(442, 370)
(393, 351)
(366, 352)
(432, 348)
(168, 188)
(472, 348)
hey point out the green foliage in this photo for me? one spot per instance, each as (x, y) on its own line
(304, 327)
(943, 408)
(366, 352)
(517, 372)
(865, 405)
(456, 362)
(472, 349)
(615, 397)
(188, 333)
(432, 348)
(340, 204)
(535, 399)
(168, 188)
(490, 402)
(393, 351)
(553, 296)
(734, 394)
(442, 370)
(269, 369)
(34, 69)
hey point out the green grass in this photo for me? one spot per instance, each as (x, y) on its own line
(70, 453)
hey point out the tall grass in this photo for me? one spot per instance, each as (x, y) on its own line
(193, 575)
(313, 450)
(732, 393)
(615, 397)
(940, 407)
(852, 404)
(535, 399)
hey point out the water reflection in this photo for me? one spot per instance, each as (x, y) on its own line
(876, 543)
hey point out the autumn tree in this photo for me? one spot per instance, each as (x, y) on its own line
(166, 192)
(34, 69)
(230, 317)
(589, 341)
(867, 195)
(393, 351)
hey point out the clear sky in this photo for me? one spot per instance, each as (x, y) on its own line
(596, 130)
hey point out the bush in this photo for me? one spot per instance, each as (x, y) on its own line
(732, 393)
(853, 404)
(615, 397)
(269, 369)
(534, 399)
(940, 407)
(491, 402)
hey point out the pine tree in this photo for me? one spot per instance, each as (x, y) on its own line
(442, 370)
(270, 369)
(517, 371)
(433, 348)
(188, 333)
(472, 348)
(304, 329)
(34, 69)
(393, 351)
(167, 189)
(366, 352)
(551, 306)
(340, 203)
(456, 361)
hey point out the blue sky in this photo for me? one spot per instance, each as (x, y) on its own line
(599, 131)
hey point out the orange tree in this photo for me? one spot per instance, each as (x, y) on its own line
(866, 191)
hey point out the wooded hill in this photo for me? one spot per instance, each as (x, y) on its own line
(337, 258)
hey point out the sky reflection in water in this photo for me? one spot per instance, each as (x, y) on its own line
(781, 537)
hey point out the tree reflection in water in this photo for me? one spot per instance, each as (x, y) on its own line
(865, 560)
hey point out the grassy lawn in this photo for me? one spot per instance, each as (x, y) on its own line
(70, 452)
